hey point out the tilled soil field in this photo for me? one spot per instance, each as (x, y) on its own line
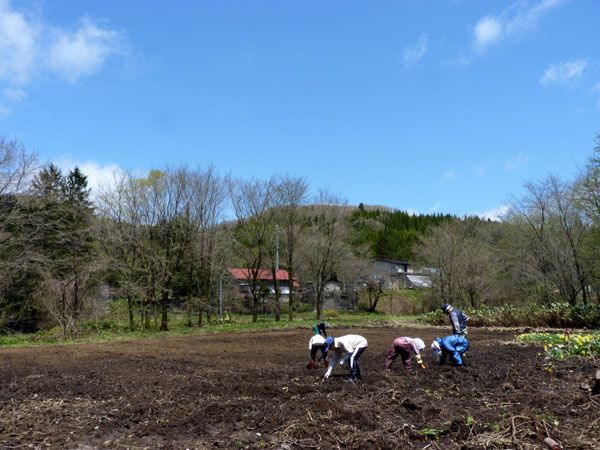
(252, 390)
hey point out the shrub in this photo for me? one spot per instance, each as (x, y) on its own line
(554, 315)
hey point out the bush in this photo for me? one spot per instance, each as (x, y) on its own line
(554, 315)
(303, 307)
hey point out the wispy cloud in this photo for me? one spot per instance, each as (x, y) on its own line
(19, 39)
(479, 169)
(31, 48)
(14, 94)
(435, 208)
(596, 89)
(520, 160)
(450, 175)
(564, 72)
(412, 54)
(82, 52)
(516, 19)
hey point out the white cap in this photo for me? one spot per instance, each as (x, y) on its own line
(420, 343)
(435, 348)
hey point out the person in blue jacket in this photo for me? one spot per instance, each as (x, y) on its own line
(453, 346)
(320, 328)
(458, 319)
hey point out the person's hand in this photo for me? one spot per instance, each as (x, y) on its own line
(327, 374)
(420, 362)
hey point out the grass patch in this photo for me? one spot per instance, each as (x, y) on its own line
(115, 326)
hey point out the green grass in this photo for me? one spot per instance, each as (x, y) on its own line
(114, 326)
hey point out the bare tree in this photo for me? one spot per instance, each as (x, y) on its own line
(439, 248)
(587, 187)
(253, 206)
(462, 253)
(121, 235)
(553, 236)
(207, 198)
(290, 196)
(17, 167)
(163, 212)
(324, 248)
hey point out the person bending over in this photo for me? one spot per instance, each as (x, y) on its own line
(320, 328)
(316, 343)
(402, 346)
(348, 347)
(453, 347)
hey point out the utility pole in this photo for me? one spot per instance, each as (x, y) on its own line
(276, 246)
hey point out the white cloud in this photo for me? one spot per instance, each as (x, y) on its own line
(82, 52)
(496, 214)
(516, 19)
(18, 45)
(520, 160)
(450, 175)
(97, 175)
(29, 47)
(487, 31)
(414, 53)
(563, 72)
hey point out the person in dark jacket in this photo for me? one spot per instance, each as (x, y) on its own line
(320, 328)
(457, 318)
(453, 346)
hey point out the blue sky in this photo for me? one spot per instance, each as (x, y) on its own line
(442, 106)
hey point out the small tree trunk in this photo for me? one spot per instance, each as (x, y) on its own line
(130, 311)
(164, 311)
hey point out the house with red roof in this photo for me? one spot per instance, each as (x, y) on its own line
(243, 278)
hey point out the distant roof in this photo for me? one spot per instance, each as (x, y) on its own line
(393, 261)
(263, 274)
(419, 280)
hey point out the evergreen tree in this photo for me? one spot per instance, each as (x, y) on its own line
(61, 244)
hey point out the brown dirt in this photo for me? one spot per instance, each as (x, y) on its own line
(252, 390)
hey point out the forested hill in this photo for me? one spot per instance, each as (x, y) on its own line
(390, 234)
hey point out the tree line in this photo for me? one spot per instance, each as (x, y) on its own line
(154, 240)
(545, 250)
(169, 236)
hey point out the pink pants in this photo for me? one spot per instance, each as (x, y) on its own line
(399, 347)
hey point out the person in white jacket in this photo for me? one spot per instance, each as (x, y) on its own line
(316, 343)
(348, 347)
